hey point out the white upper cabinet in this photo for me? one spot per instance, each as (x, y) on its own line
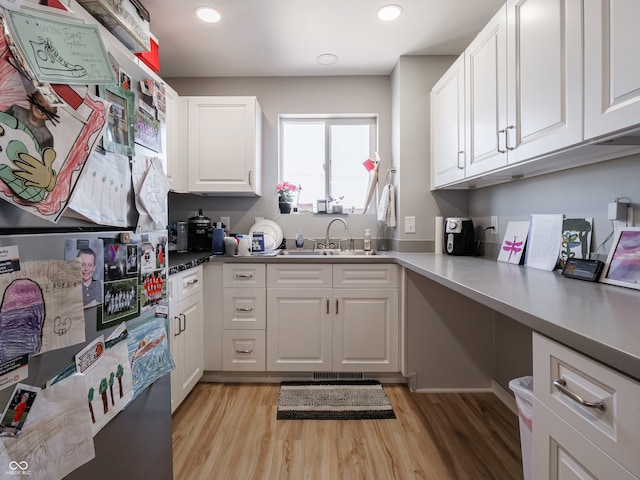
(523, 84)
(612, 69)
(447, 126)
(525, 108)
(544, 77)
(224, 146)
(486, 97)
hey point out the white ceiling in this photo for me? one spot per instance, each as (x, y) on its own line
(284, 37)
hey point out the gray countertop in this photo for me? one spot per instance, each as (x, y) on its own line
(601, 321)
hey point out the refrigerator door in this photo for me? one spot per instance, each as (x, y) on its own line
(136, 443)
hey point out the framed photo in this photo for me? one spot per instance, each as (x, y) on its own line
(125, 80)
(623, 263)
(118, 136)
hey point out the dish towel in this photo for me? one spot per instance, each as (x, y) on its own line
(387, 206)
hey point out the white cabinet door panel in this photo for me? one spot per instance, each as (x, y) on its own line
(612, 69)
(299, 331)
(544, 39)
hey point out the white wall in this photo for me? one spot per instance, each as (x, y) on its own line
(285, 95)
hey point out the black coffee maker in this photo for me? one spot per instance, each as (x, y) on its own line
(199, 233)
(458, 236)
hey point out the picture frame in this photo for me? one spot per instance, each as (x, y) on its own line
(118, 136)
(125, 79)
(622, 267)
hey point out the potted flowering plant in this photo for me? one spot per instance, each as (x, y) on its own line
(336, 207)
(285, 195)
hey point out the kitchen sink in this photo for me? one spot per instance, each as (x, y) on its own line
(332, 252)
(305, 253)
(357, 253)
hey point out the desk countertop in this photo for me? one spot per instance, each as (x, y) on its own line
(601, 321)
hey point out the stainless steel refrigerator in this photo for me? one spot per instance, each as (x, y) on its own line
(136, 443)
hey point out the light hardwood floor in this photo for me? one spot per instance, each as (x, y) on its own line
(230, 431)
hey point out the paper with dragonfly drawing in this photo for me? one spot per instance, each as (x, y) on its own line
(514, 242)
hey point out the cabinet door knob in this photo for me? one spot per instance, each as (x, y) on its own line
(561, 384)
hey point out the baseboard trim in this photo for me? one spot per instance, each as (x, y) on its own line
(271, 377)
(454, 390)
(505, 396)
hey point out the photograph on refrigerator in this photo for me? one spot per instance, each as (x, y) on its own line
(90, 253)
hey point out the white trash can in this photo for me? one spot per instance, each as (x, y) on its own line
(523, 389)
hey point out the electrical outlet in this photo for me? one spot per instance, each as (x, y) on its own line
(494, 224)
(226, 221)
(409, 224)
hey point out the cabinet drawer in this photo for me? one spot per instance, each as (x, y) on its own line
(243, 350)
(299, 275)
(560, 452)
(188, 283)
(244, 308)
(243, 275)
(359, 276)
(616, 428)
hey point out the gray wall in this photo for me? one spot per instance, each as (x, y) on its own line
(286, 95)
(579, 192)
(402, 103)
(411, 83)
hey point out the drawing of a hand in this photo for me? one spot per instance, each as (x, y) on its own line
(36, 173)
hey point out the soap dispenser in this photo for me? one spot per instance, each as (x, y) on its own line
(367, 240)
(217, 240)
(299, 240)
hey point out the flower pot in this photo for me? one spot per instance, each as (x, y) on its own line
(285, 207)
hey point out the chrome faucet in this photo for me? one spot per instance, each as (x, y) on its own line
(326, 239)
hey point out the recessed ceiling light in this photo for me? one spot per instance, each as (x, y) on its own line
(208, 14)
(327, 59)
(388, 13)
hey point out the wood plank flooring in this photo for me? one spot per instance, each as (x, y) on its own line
(230, 431)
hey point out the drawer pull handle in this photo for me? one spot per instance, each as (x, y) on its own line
(244, 309)
(245, 352)
(561, 385)
(192, 282)
(244, 275)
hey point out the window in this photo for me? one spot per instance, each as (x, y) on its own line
(324, 155)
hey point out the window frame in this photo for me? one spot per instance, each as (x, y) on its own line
(329, 120)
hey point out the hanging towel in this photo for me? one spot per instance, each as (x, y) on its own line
(387, 206)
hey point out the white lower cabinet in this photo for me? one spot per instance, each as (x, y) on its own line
(186, 331)
(244, 317)
(365, 330)
(313, 326)
(299, 330)
(586, 422)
